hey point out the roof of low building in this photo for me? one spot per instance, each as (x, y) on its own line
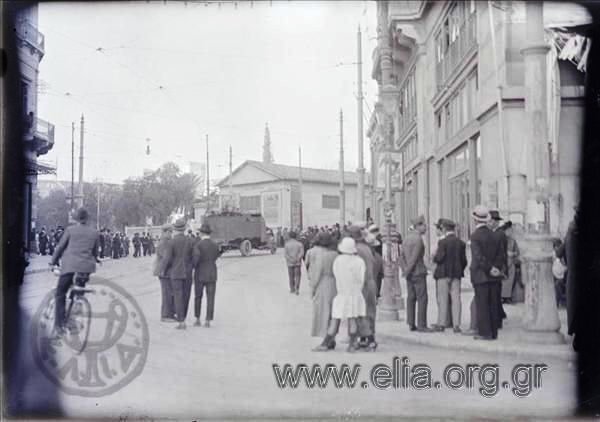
(285, 172)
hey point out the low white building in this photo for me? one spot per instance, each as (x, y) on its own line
(273, 190)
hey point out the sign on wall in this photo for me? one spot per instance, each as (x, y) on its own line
(270, 202)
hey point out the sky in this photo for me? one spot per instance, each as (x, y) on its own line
(168, 75)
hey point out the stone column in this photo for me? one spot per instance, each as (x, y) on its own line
(540, 320)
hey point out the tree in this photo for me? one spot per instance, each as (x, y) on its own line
(53, 210)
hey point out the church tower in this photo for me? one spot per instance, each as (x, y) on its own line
(267, 157)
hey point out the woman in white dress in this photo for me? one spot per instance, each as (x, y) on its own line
(349, 303)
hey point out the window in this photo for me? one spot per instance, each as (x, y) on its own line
(250, 203)
(330, 202)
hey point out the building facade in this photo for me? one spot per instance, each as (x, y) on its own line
(454, 84)
(288, 196)
(39, 134)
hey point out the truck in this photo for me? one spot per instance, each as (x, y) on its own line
(241, 231)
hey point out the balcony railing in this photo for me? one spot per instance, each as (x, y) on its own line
(43, 136)
(30, 34)
(465, 42)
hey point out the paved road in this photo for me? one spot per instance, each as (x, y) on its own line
(227, 370)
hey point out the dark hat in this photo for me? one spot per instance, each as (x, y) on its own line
(179, 225)
(355, 232)
(81, 215)
(324, 239)
(166, 228)
(439, 223)
(448, 224)
(507, 225)
(205, 228)
(495, 215)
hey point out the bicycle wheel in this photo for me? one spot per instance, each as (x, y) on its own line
(79, 319)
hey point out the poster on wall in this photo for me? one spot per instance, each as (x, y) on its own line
(397, 170)
(270, 212)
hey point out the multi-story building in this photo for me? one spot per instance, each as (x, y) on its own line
(39, 134)
(455, 87)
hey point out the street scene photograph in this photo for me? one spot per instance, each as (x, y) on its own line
(337, 210)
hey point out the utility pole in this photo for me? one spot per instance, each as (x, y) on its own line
(207, 178)
(72, 166)
(80, 199)
(342, 186)
(361, 169)
(230, 176)
(300, 185)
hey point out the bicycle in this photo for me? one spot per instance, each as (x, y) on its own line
(78, 314)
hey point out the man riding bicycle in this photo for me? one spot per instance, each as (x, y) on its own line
(78, 252)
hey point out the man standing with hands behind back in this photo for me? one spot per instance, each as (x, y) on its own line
(486, 277)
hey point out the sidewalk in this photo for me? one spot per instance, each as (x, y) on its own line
(511, 339)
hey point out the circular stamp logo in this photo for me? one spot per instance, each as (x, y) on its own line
(105, 346)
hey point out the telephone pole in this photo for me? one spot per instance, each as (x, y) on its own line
(300, 186)
(72, 166)
(342, 185)
(80, 196)
(207, 178)
(360, 170)
(230, 176)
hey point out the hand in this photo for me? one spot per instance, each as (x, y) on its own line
(495, 272)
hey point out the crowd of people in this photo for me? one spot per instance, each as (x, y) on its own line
(344, 266)
(46, 241)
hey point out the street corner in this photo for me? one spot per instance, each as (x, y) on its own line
(104, 348)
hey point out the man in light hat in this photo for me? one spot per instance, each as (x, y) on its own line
(177, 265)
(294, 253)
(205, 255)
(374, 239)
(485, 275)
(415, 272)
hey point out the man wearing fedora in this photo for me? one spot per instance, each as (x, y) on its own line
(177, 265)
(485, 275)
(205, 255)
(294, 253)
(415, 272)
(167, 309)
(451, 260)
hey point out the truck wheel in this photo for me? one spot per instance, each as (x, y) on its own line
(245, 247)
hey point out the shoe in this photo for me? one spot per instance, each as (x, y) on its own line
(478, 337)
(457, 330)
(371, 347)
(425, 330)
(331, 345)
(352, 345)
(297, 292)
(207, 324)
(168, 320)
(197, 323)
(412, 328)
(438, 329)
(363, 342)
(326, 345)
(181, 326)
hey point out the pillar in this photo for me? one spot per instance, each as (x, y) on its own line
(540, 320)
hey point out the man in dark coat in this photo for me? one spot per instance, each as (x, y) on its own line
(77, 253)
(502, 257)
(415, 272)
(51, 241)
(177, 265)
(144, 241)
(486, 277)
(116, 246)
(205, 255)
(451, 260)
(102, 240)
(137, 244)
(568, 251)
(43, 241)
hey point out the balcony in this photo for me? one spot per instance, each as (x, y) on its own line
(42, 140)
(456, 52)
(30, 35)
(406, 10)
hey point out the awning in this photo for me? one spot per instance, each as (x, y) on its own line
(34, 168)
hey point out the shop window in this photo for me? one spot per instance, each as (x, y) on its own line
(250, 203)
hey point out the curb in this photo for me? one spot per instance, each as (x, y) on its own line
(483, 347)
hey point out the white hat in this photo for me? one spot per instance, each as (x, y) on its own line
(373, 228)
(481, 214)
(347, 246)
